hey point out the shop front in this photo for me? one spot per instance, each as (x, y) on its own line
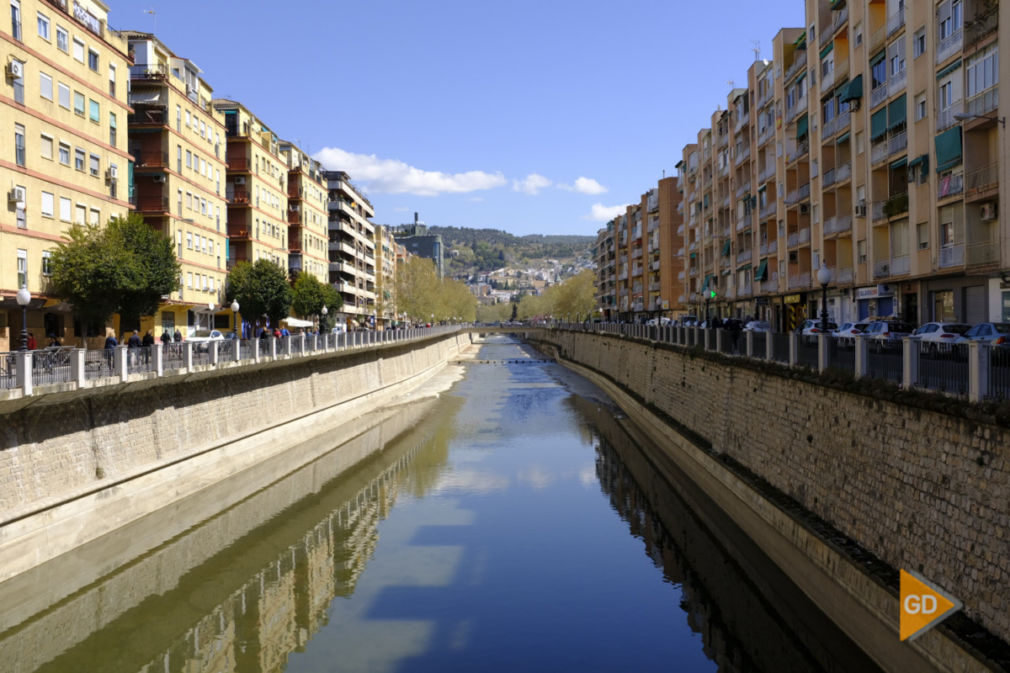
(875, 301)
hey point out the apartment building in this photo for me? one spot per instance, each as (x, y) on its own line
(255, 188)
(307, 214)
(351, 249)
(385, 277)
(64, 105)
(177, 140)
(605, 257)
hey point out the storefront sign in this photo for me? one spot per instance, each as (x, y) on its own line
(791, 299)
(874, 292)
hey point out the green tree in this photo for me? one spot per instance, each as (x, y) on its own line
(261, 290)
(125, 267)
(417, 288)
(310, 295)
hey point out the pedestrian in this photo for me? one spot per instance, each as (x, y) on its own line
(31, 341)
(734, 327)
(177, 336)
(147, 343)
(133, 343)
(277, 333)
(285, 332)
(166, 338)
(53, 341)
(110, 348)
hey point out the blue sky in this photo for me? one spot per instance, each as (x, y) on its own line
(527, 116)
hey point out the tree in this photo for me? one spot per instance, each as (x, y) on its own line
(125, 267)
(417, 287)
(310, 295)
(261, 290)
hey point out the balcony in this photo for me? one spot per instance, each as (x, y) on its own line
(827, 79)
(983, 179)
(882, 269)
(844, 276)
(766, 173)
(877, 212)
(983, 252)
(983, 103)
(950, 185)
(839, 17)
(153, 158)
(879, 151)
(949, 46)
(801, 193)
(897, 80)
(945, 118)
(152, 71)
(799, 281)
(742, 156)
(835, 125)
(147, 115)
(878, 94)
(743, 256)
(877, 38)
(897, 143)
(768, 209)
(796, 152)
(798, 64)
(771, 284)
(896, 205)
(765, 134)
(837, 224)
(795, 111)
(793, 240)
(804, 237)
(977, 28)
(900, 265)
(742, 189)
(895, 22)
(741, 121)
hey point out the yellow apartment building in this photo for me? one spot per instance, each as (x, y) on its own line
(255, 188)
(352, 249)
(64, 104)
(385, 277)
(306, 213)
(177, 140)
(605, 256)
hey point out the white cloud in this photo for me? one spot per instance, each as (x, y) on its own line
(585, 185)
(602, 213)
(531, 184)
(393, 176)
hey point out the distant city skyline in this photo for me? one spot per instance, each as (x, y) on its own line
(528, 117)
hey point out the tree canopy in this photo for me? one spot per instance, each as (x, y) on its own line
(309, 295)
(420, 294)
(261, 290)
(572, 298)
(125, 267)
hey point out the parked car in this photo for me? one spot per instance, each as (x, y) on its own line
(201, 339)
(757, 326)
(689, 321)
(658, 322)
(993, 333)
(846, 334)
(938, 337)
(813, 327)
(887, 334)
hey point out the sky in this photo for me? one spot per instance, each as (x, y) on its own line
(531, 116)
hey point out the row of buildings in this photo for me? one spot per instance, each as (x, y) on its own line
(873, 143)
(106, 122)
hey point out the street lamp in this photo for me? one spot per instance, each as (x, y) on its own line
(234, 316)
(24, 298)
(324, 311)
(824, 277)
(962, 117)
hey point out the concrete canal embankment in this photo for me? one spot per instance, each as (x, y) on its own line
(78, 464)
(840, 484)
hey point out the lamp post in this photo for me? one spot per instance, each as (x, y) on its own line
(324, 311)
(824, 277)
(24, 297)
(234, 317)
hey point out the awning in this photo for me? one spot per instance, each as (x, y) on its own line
(948, 149)
(949, 69)
(297, 322)
(874, 60)
(801, 128)
(896, 112)
(827, 49)
(762, 271)
(878, 123)
(844, 138)
(726, 248)
(801, 41)
(900, 163)
(853, 90)
(145, 97)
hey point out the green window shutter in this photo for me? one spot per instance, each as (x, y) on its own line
(801, 128)
(844, 138)
(762, 271)
(948, 149)
(896, 112)
(900, 163)
(726, 248)
(801, 41)
(827, 49)
(878, 123)
(949, 69)
(854, 90)
(874, 60)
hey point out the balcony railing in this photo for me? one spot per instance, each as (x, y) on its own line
(772, 283)
(949, 45)
(837, 223)
(799, 194)
(895, 22)
(799, 280)
(768, 209)
(743, 256)
(878, 94)
(983, 103)
(741, 120)
(844, 276)
(945, 118)
(800, 107)
(742, 189)
(981, 25)
(804, 236)
(896, 205)
(877, 212)
(983, 178)
(799, 150)
(877, 37)
(765, 134)
(835, 125)
(766, 173)
(897, 143)
(793, 240)
(950, 185)
(896, 81)
(882, 269)
(742, 156)
(840, 17)
(983, 252)
(879, 151)
(900, 265)
(799, 63)
(828, 79)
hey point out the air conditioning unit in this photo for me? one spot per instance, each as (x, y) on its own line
(794, 256)
(885, 269)
(160, 179)
(240, 180)
(293, 207)
(16, 69)
(804, 208)
(988, 211)
(860, 209)
(113, 172)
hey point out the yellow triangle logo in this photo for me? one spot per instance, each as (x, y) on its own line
(923, 605)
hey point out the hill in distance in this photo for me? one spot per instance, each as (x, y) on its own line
(469, 251)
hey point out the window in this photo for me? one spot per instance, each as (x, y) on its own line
(78, 158)
(21, 194)
(189, 279)
(48, 204)
(63, 95)
(112, 80)
(66, 209)
(982, 71)
(896, 57)
(189, 240)
(78, 50)
(189, 159)
(45, 86)
(79, 103)
(112, 129)
(189, 119)
(96, 216)
(19, 145)
(22, 268)
(93, 59)
(43, 22)
(946, 94)
(62, 39)
(18, 83)
(178, 118)
(920, 107)
(180, 203)
(189, 200)
(65, 154)
(46, 147)
(94, 165)
(861, 251)
(922, 235)
(16, 19)
(857, 33)
(81, 214)
(919, 43)
(94, 111)
(47, 269)
(828, 65)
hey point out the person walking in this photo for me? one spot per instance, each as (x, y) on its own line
(133, 343)
(178, 336)
(32, 345)
(147, 343)
(166, 338)
(110, 349)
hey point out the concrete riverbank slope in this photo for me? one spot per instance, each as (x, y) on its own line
(79, 464)
(840, 485)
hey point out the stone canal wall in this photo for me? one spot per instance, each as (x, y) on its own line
(76, 465)
(839, 486)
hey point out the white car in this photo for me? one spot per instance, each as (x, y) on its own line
(813, 327)
(202, 337)
(937, 337)
(757, 326)
(846, 334)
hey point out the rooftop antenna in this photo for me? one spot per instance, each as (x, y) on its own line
(155, 15)
(757, 49)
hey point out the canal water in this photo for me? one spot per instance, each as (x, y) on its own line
(515, 522)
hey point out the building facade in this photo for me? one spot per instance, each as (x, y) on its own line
(351, 249)
(385, 278)
(419, 241)
(65, 108)
(307, 213)
(177, 140)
